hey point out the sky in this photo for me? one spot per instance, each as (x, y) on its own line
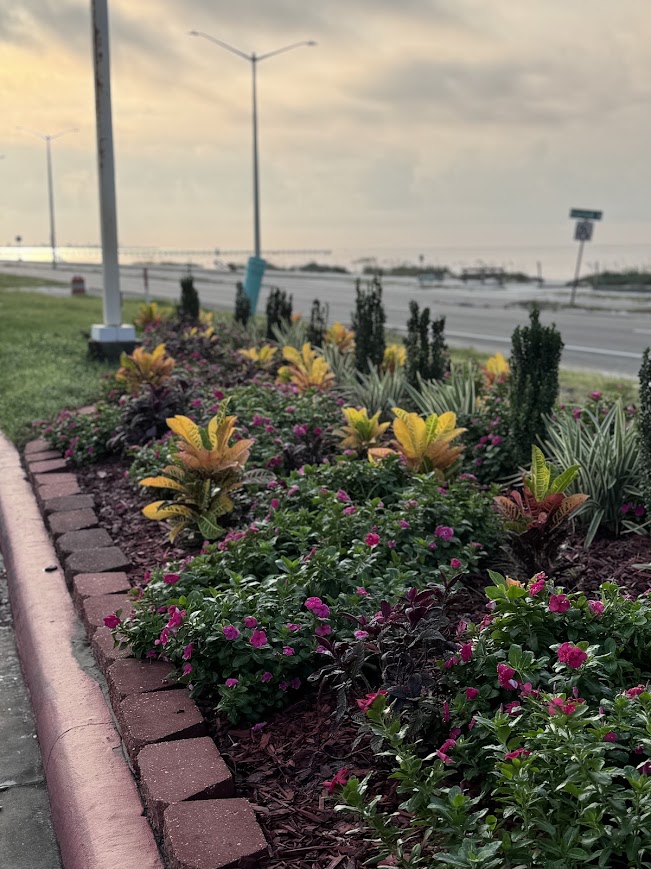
(412, 123)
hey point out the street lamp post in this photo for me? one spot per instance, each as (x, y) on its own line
(256, 265)
(48, 139)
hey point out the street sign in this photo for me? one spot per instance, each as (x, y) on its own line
(583, 231)
(584, 214)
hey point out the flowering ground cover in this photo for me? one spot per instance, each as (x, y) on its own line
(325, 582)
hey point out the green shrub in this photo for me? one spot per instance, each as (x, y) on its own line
(242, 305)
(84, 438)
(427, 358)
(188, 307)
(368, 321)
(318, 324)
(607, 449)
(279, 311)
(644, 429)
(537, 753)
(535, 357)
(376, 390)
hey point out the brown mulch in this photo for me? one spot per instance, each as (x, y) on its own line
(281, 767)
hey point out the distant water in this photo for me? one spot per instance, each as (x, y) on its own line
(557, 262)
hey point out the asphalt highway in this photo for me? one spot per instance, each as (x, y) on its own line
(608, 334)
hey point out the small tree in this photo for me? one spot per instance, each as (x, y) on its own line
(535, 358)
(318, 324)
(188, 307)
(428, 357)
(644, 428)
(368, 321)
(279, 311)
(242, 305)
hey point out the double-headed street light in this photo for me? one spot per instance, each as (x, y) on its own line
(48, 139)
(256, 265)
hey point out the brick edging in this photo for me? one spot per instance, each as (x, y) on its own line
(185, 785)
(96, 810)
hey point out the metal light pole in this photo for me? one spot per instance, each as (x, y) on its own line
(48, 139)
(256, 265)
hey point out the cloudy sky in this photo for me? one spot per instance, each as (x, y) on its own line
(412, 123)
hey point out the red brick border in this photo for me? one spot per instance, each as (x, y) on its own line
(153, 719)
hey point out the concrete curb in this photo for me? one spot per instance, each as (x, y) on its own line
(96, 810)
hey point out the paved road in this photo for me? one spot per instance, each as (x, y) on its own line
(609, 340)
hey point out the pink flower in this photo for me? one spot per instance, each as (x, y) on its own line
(187, 651)
(164, 638)
(391, 544)
(323, 630)
(404, 524)
(258, 639)
(444, 758)
(559, 603)
(536, 587)
(446, 711)
(176, 618)
(466, 652)
(451, 662)
(361, 591)
(505, 676)
(519, 752)
(342, 496)
(471, 693)
(540, 575)
(455, 563)
(266, 677)
(571, 655)
(596, 607)
(171, 578)
(111, 621)
(295, 683)
(567, 707)
(360, 635)
(231, 683)
(274, 503)
(187, 669)
(635, 692)
(293, 628)
(313, 603)
(372, 539)
(366, 702)
(611, 736)
(512, 707)
(339, 778)
(595, 395)
(287, 650)
(447, 745)
(230, 632)
(259, 726)
(321, 650)
(250, 622)
(444, 532)
(349, 511)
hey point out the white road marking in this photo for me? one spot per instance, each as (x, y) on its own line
(577, 348)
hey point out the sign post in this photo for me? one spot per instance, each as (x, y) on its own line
(582, 233)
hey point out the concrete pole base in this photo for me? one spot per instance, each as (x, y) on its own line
(108, 342)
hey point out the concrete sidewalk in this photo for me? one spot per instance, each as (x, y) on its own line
(25, 824)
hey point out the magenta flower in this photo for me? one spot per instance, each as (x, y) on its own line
(323, 630)
(187, 669)
(111, 621)
(187, 651)
(339, 778)
(391, 544)
(349, 511)
(365, 703)
(361, 591)
(293, 627)
(596, 607)
(230, 632)
(519, 752)
(372, 539)
(451, 662)
(635, 692)
(176, 618)
(505, 676)
(571, 655)
(466, 652)
(360, 635)
(313, 602)
(536, 587)
(250, 621)
(559, 603)
(471, 693)
(611, 736)
(444, 532)
(164, 638)
(274, 503)
(342, 496)
(231, 683)
(404, 524)
(295, 683)
(287, 650)
(321, 650)
(258, 639)
(266, 677)
(171, 578)
(455, 563)
(595, 395)
(321, 612)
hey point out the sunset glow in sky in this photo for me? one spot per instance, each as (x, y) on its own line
(412, 122)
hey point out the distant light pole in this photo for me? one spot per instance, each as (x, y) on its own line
(256, 265)
(48, 139)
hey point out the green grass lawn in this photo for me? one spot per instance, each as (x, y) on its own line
(44, 364)
(43, 356)
(12, 282)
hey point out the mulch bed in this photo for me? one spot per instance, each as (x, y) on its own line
(281, 767)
